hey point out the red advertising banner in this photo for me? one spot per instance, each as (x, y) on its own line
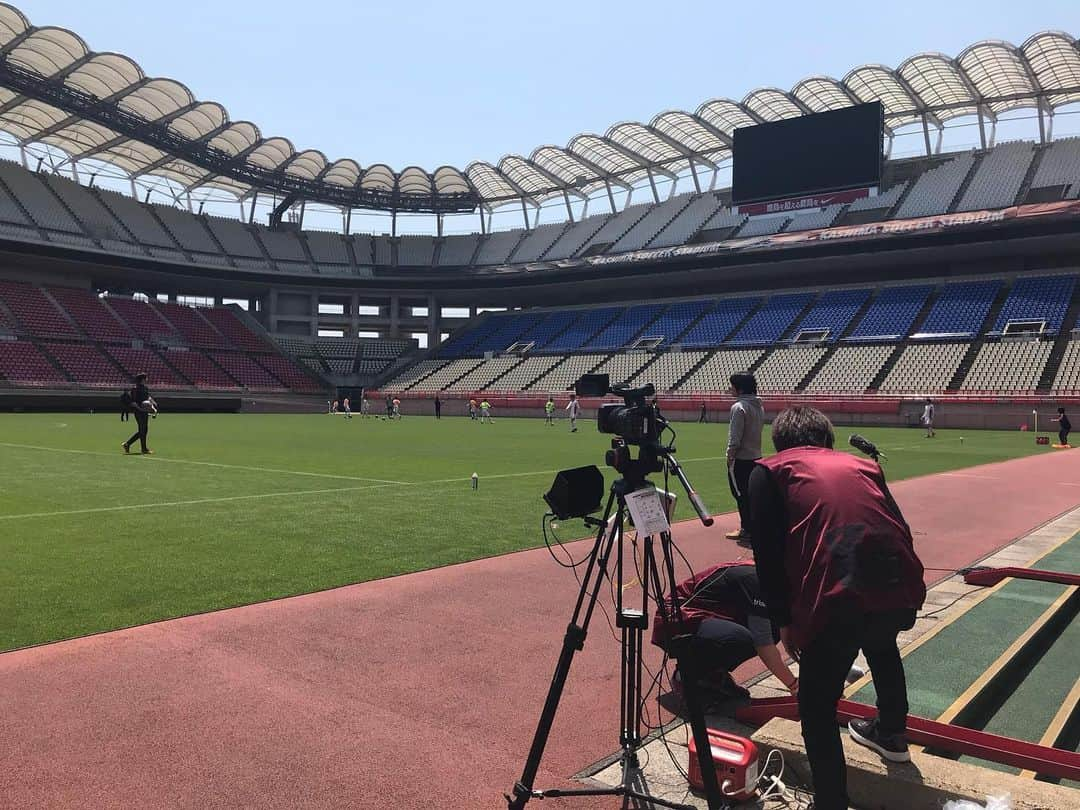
(798, 203)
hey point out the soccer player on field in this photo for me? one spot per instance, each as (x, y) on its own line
(928, 418)
(365, 406)
(1064, 426)
(347, 408)
(573, 408)
(485, 411)
(549, 412)
(396, 405)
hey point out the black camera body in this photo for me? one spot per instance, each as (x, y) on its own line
(636, 421)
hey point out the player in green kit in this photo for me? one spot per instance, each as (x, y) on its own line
(549, 412)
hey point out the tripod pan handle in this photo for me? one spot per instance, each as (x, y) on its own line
(699, 507)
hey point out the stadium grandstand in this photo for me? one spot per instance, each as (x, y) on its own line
(953, 276)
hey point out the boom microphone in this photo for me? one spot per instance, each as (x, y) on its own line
(864, 445)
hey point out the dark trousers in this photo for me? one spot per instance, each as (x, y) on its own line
(143, 422)
(438, 412)
(701, 418)
(125, 414)
(823, 667)
(720, 644)
(1063, 437)
(739, 481)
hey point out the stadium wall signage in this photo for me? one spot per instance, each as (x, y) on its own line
(798, 203)
(852, 232)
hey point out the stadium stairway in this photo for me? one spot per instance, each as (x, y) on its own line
(63, 312)
(597, 248)
(265, 252)
(216, 242)
(693, 370)
(979, 338)
(829, 352)
(1029, 177)
(904, 342)
(164, 226)
(973, 170)
(62, 203)
(1061, 342)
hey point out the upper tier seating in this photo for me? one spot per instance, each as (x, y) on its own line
(935, 189)
(763, 226)
(284, 246)
(892, 313)
(522, 375)
(673, 322)
(138, 361)
(245, 370)
(235, 238)
(143, 319)
(497, 247)
(563, 376)
(625, 327)
(38, 201)
(1008, 365)
(504, 330)
(576, 237)
(191, 325)
(326, 248)
(191, 234)
(458, 250)
(85, 364)
(833, 311)
(384, 250)
(723, 220)
(337, 347)
(198, 368)
(646, 228)
(536, 242)
(850, 369)
(887, 199)
(87, 207)
(715, 373)
(21, 362)
(615, 227)
(413, 373)
(716, 324)
(1068, 373)
(229, 324)
(769, 323)
(960, 308)
(581, 331)
(786, 367)
(1060, 166)
(138, 219)
(416, 251)
(925, 368)
(90, 314)
(668, 369)
(1046, 299)
(688, 222)
(384, 349)
(998, 178)
(34, 310)
(819, 218)
(363, 248)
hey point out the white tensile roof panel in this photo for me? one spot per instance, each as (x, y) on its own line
(990, 76)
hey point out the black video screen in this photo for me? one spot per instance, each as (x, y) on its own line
(829, 151)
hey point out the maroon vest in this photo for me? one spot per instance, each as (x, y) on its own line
(846, 548)
(697, 609)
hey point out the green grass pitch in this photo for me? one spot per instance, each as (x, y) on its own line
(235, 509)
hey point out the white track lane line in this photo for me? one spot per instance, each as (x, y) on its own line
(160, 459)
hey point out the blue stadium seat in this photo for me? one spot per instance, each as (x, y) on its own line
(891, 314)
(678, 316)
(543, 332)
(772, 320)
(717, 324)
(494, 333)
(590, 322)
(961, 308)
(623, 329)
(1044, 299)
(834, 311)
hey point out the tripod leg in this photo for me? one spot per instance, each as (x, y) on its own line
(573, 641)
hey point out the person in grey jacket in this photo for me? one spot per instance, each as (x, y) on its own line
(744, 446)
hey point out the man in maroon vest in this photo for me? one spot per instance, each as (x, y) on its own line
(725, 622)
(839, 573)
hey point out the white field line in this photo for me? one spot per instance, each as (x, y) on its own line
(205, 463)
(193, 502)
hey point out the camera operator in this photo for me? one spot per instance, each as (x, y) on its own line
(839, 573)
(728, 624)
(743, 447)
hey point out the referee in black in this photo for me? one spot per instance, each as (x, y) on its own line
(142, 419)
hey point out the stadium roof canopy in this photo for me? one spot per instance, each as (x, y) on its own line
(101, 106)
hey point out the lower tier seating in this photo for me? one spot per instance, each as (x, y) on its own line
(925, 368)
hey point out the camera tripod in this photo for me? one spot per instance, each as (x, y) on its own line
(632, 624)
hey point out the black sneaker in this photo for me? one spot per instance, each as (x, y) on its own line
(892, 747)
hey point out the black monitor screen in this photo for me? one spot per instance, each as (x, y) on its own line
(812, 154)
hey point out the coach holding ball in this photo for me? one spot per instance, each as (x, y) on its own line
(839, 573)
(139, 395)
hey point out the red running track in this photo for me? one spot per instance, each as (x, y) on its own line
(415, 692)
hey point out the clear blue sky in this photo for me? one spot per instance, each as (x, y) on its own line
(434, 83)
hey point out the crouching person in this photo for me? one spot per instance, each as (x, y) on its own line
(724, 624)
(839, 573)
